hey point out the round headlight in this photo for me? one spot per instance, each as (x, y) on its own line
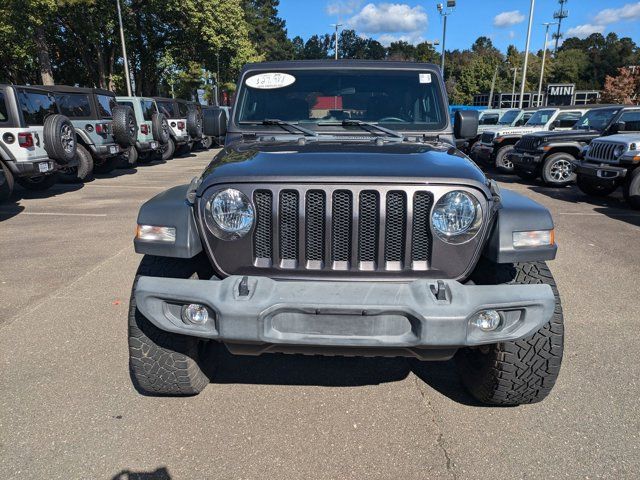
(229, 214)
(457, 217)
(619, 151)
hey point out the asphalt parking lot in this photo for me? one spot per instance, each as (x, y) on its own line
(68, 409)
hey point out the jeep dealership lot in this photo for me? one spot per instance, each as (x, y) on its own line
(68, 408)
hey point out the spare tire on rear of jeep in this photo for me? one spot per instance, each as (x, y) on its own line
(194, 123)
(60, 140)
(125, 127)
(160, 128)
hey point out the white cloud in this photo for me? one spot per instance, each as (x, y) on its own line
(508, 19)
(630, 11)
(389, 18)
(583, 31)
(343, 7)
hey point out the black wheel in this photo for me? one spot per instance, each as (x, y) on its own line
(59, 138)
(557, 169)
(206, 142)
(6, 183)
(595, 188)
(194, 123)
(124, 126)
(526, 174)
(167, 151)
(632, 189)
(163, 363)
(522, 371)
(105, 165)
(503, 164)
(160, 128)
(81, 172)
(38, 183)
(129, 158)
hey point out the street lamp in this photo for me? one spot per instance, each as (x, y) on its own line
(124, 51)
(337, 25)
(544, 57)
(526, 53)
(444, 13)
(513, 90)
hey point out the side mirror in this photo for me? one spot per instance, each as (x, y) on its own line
(553, 126)
(466, 124)
(214, 122)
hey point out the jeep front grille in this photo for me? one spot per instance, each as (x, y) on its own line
(603, 151)
(487, 137)
(342, 229)
(527, 144)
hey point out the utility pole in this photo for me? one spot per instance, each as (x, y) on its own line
(337, 25)
(513, 90)
(544, 57)
(559, 15)
(124, 51)
(526, 53)
(444, 13)
(493, 86)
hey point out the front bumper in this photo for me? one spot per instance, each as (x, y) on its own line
(379, 316)
(599, 171)
(525, 160)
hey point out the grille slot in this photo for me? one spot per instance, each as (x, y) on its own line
(603, 151)
(395, 230)
(421, 237)
(262, 240)
(526, 144)
(288, 226)
(341, 226)
(315, 225)
(368, 227)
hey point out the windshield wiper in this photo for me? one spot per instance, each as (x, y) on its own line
(289, 127)
(369, 127)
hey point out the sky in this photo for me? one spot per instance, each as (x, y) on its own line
(505, 22)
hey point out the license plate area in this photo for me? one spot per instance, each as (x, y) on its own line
(113, 149)
(45, 167)
(154, 145)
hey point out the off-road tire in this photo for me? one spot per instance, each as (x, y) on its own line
(83, 172)
(206, 142)
(526, 174)
(38, 183)
(163, 363)
(59, 137)
(194, 123)
(554, 169)
(632, 189)
(160, 128)
(6, 189)
(502, 164)
(129, 158)
(522, 371)
(595, 188)
(168, 151)
(124, 126)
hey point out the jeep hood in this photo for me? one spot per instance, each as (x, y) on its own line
(517, 131)
(563, 135)
(322, 162)
(626, 138)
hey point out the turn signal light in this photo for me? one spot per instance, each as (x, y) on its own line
(151, 233)
(180, 125)
(534, 238)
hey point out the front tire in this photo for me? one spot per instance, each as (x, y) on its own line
(163, 363)
(632, 189)
(167, 151)
(6, 183)
(503, 164)
(521, 371)
(557, 169)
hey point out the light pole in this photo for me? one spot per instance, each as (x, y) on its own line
(337, 25)
(124, 51)
(444, 13)
(544, 57)
(513, 90)
(526, 53)
(493, 86)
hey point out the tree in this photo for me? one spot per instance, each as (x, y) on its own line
(401, 50)
(623, 88)
(267, 31)
(317, 47)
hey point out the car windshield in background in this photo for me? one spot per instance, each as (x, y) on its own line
(489, 119)
(399, 100)
(105, 105)
(509, 117)
(596, 119)
(541, 117)
(73, 105)
(36, 106)
(167, 108)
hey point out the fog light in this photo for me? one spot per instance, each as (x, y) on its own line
(195, 314)
(487, 320)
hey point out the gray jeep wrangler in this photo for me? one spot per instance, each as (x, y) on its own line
(339, 219)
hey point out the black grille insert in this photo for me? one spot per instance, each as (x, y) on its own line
(262, 241)
(315, 226)
(368, 227)
(288, 225)
(341, 226)
(421, 239)
(395, 227)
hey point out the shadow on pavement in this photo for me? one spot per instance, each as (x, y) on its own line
(443, 378)
(118, 172)
(160, 473)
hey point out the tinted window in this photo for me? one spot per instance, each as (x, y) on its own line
(321, 98)
(4, 116)
(105, 105)
(73, 104)
(183, 109)
(167, 108)
(596, 119)
(631, 120)
(541, 117)
(147, 109)
(509, 117)
(127, 104)
(36, 106)
(567, 119)
(489, 119)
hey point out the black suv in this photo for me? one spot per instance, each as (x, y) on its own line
(551, 154)
(340, 219)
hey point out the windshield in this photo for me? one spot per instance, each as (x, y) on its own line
(509, 117)
(399, 100)
(541, 117)
(596, 119)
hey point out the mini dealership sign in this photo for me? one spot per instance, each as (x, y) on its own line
(560, 93)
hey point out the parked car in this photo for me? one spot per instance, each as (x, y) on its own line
(513, 117)
(496, 144)
(612, 162)
(357, 230)
(152, 133)
(176, 112)
(551, 155)
(91, 113)
(35, 139)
